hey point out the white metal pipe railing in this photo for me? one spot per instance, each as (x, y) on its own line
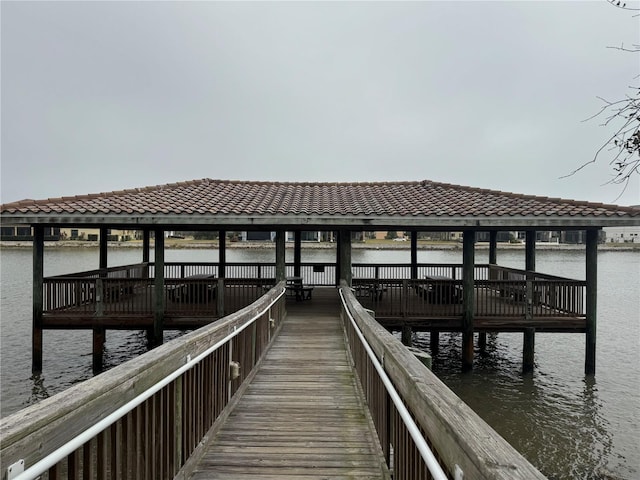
(56, 456)
(421, 444)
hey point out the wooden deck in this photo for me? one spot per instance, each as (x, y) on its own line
(302, 416)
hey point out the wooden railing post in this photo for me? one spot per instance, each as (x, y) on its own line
(220, 297)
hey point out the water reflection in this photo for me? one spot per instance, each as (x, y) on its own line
(557, 427)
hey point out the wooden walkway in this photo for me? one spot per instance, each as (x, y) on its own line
(302, 416)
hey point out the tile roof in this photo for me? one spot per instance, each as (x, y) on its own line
(253, 198)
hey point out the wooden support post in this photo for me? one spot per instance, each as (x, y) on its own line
(528, 349)
(38, 283)
(493, 247)
(493, 255)
(103, 262)
(591, 301)
(146, 245)
(99, 338)
(297, 253)
(482, 342)
(434, 342)
(414, 254)
(468, 298)
(281, 266)
(99, 333)
(345, 256)
(222, 254)
(530, 251)
(406, 335)
(158, 310)
(338, 257)
(529, 332)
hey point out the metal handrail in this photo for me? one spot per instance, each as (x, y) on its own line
(421, 444)
(57, 455)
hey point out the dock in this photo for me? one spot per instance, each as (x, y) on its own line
(280, 389)
(303, 413)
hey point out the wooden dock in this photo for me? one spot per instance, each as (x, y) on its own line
(303, 414)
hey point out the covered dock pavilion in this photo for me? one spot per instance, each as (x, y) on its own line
(414, 206)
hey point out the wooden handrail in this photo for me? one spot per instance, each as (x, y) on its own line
(173, 414)
(457, 434)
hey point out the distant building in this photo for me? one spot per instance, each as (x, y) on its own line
(15, 233)
(622, 235)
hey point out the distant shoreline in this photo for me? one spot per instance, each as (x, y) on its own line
(372, 245)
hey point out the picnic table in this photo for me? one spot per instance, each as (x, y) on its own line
(374, 290)
(441, 290)
(295, 287)
(193, 291)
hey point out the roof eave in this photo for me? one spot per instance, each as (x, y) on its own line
(175, 221)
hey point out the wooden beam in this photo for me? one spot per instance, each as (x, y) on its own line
(38, 281)
(591, 300)
(468, 297)
(323, 222)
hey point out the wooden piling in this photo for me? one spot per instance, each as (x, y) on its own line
(434, 342)
(99, 338)
(158, 317)
(406, 336)
(528, 350)
(591, 301)
(38, 282)
(468, 300)
(482, 342)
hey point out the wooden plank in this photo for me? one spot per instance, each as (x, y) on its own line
(301, 416)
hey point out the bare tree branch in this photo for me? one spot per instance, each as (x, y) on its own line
(623, 116)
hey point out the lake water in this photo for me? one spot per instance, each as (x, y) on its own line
(568, 425)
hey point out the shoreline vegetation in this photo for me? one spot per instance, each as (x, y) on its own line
(174, 243)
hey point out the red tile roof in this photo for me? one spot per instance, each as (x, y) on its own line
(382, 199)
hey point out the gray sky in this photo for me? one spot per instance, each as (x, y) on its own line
(101, 96)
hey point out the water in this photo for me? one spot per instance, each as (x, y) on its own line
(568, 425)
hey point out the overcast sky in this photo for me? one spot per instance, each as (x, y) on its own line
(102, 96)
